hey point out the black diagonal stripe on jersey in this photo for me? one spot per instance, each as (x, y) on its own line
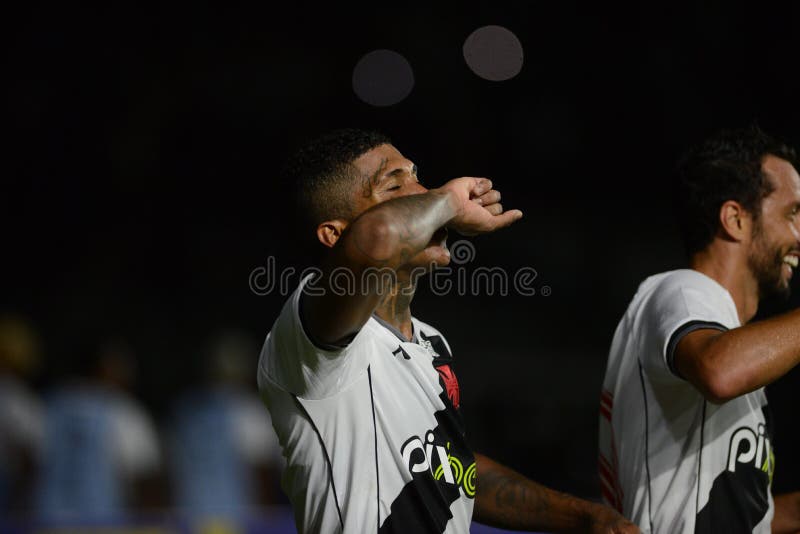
(423, 505)
(738, 500)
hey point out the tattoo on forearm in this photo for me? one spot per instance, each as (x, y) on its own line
(507, 499)
(416, 217)
(511, 495)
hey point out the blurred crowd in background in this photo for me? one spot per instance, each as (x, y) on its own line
(84, 450)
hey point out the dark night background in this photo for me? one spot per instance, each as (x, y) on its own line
(142, 187)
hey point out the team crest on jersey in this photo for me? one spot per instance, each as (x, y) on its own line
(450, 384)
(427, 345)
(435, 346)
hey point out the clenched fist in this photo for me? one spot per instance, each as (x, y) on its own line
(478, 206)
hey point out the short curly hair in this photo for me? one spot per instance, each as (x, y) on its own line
(726, 166)
(321, 174)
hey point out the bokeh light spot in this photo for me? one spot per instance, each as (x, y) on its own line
(494, 53)
(383, 78)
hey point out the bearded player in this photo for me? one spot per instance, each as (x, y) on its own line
(685, 439)
(363, 395)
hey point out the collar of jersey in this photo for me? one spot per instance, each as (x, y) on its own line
(397, 332)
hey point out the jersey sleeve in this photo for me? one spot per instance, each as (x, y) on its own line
(681, 304)
(298, 365)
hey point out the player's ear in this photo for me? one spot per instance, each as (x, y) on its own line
(329, 232)
(736, 222)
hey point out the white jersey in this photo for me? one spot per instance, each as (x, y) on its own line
(670, 460)
(372, 432)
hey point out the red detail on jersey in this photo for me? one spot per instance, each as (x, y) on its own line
(608, 468)
(450, 384)
(609, 483)
(606, 404)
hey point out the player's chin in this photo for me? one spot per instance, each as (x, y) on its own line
(782, 287)
(785, 285)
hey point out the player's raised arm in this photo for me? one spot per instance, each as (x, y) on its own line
(725, 365)
(381, 247)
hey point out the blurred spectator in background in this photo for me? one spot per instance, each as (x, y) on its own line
(20, 414)
(224, 454)
(101, 448)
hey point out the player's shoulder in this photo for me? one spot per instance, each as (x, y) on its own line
(682, 295)
(289, 316)
(282, 344)
(292, 361)
(678, 281)
(288, 333)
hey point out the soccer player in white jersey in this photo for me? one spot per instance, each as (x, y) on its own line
(685, 441)
(362, 394)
